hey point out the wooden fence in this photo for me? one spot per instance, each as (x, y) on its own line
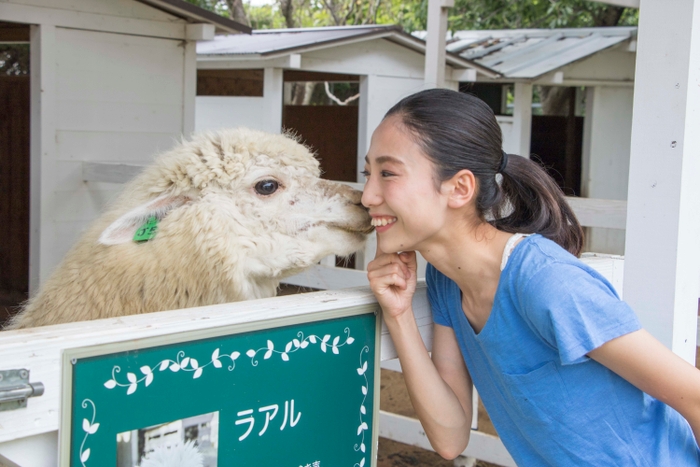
(32, 429)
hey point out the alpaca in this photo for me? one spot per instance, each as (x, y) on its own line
(233, 211)
(186, 455)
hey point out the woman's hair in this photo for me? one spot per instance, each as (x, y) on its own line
(459, 131)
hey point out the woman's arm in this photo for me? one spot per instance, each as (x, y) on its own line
(652, 367)
(440, 388)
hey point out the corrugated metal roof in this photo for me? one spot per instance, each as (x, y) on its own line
(267, 43)
(274, 41)
(530, 53)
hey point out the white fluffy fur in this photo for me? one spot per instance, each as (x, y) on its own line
(185, 455)
(217, 241)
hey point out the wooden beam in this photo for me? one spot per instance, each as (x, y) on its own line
(522, 118)
(662, 265)
(435, 50)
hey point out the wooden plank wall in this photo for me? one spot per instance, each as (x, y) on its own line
(14, 192)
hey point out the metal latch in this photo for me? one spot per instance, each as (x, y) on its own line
(15, 389)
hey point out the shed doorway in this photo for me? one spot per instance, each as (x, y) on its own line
(322, 108)
(557, 127)
(14, 167)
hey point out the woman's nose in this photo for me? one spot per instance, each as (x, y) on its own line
(369, 194)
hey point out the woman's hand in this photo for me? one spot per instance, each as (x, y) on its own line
(392, 278)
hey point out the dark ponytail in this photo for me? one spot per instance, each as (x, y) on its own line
(459, 131)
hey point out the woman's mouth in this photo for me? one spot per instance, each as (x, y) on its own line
(382, 224)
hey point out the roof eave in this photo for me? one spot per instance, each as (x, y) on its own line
(195, 14)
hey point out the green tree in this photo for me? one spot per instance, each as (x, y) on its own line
(412, 14)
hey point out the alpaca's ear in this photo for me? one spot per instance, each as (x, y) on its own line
(123, 229)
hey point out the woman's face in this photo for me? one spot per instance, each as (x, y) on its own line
(400, 191)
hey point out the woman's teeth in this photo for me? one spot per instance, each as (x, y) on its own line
(379, 222)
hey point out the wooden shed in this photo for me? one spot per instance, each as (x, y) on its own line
(587, 146)
(109, 81)
(247, 77)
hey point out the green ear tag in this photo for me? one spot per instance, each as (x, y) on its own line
(147, 231)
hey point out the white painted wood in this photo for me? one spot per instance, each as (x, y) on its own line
(35, 451)
(464, 75)
(409, 431)
(105, 84)
(435, 43)
(117, 8)
(328, 277)
(39, 349)
(65, 16)
(213, 62)
(42, 49)
(522, 118)
(614, 65)
(215, 112)
(273, 95)
(378, 57)
(189, 85)
(200, 32)
(109, 172)
(662, 254)
(506, 124)
(605, 175)
(608, 213)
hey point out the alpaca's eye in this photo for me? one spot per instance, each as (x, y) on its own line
(267, 187)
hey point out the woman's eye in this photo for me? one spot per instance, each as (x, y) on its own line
(386, 174)
(365, 173)
(266, 187)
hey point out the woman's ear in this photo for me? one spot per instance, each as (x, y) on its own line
(462, 188)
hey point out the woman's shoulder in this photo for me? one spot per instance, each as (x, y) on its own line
(538, 255)
(542, 261)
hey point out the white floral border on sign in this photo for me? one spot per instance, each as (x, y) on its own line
(90, 428)
(191, 365)
(362, 371)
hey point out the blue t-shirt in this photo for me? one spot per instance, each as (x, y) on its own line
(550, 403)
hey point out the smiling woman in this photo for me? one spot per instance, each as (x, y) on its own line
(544, 338)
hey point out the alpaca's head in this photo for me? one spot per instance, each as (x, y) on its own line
(244, 196)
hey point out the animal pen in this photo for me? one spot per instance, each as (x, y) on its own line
(661, 264)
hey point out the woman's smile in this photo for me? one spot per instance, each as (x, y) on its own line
(383, 223)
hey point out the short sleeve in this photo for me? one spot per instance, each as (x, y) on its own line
(574, 309)
(436, 283)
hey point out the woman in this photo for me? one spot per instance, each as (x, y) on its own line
(561, 364)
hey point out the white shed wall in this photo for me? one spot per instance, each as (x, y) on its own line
(212, 112)
(118, 98)
(607, 157)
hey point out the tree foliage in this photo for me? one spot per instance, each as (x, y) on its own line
(412, 14)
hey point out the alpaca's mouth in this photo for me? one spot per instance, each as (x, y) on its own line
(364, 228)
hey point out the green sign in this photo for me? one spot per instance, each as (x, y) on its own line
(270, 394)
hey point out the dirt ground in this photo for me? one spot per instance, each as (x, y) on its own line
(394, 398)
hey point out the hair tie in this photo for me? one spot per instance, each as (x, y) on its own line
(504, 162)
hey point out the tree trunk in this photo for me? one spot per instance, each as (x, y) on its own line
(237, 11)
(287, 10)
(610, 16)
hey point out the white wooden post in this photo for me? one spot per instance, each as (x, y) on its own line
(273, 94)
(42, 141)
(189, 87)
(662, 258)
(435, 43)
(522, 118)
